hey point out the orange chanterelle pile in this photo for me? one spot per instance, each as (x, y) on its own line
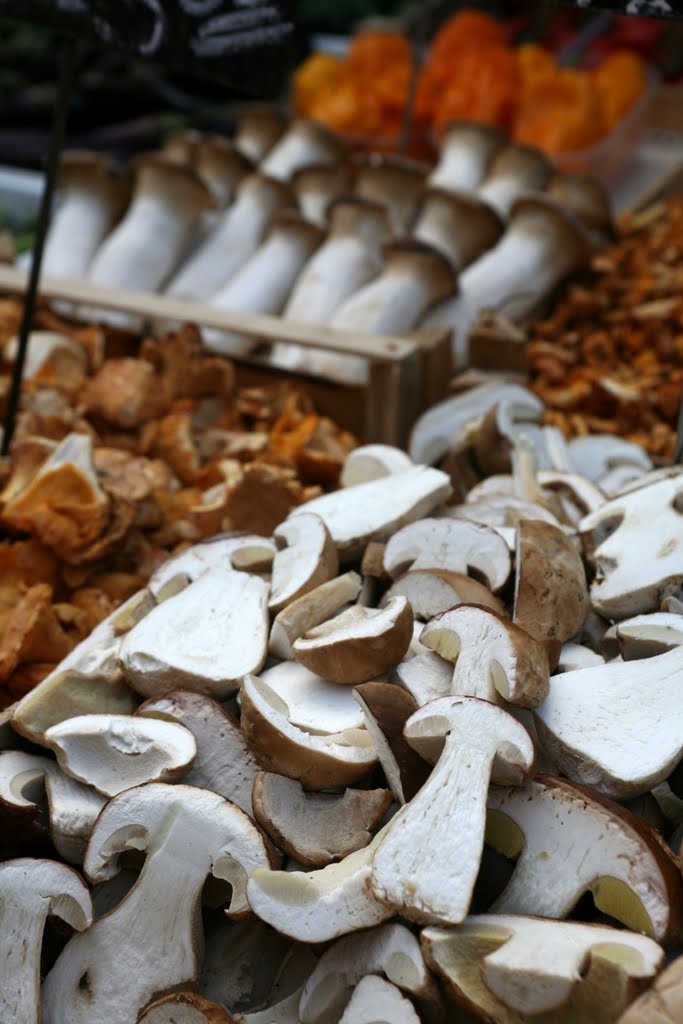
(609, 358)
(119, 458)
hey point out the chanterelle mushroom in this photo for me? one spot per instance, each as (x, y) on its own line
(493, 657)
(570, 841)
(426, 865)
(150, 943)
(29, 891)
(515, 969)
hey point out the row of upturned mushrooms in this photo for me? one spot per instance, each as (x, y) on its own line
(364, 769)
(281, 221)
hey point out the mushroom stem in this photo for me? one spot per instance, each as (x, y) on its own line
(457, 224)
(467, 150)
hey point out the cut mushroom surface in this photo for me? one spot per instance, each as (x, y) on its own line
(306, 558)
(376, 1001)
(214, 553)
(116, 752)
(314, 704)
(493, 657)
(426, 865)
(386, 709)
(184, 1008)
(309, 610)
(617, 727)
(551, 591)
(317, 828)
(517, 969)
(371, 462)
(643, 636)
(432, 591)
(205, 638)
(661, 1004)
(357, 644)
(570, 841)
(457, 545)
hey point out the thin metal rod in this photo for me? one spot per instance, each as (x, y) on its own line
(678, 447)
(66, 77)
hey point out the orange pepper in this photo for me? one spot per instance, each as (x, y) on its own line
(469, 29)
(559, 113)
(619, 80)
(534, 61)
(319, 74)
(371, 52)
(483, 88)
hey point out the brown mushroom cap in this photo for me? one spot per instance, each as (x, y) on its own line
(551, 592)
(458, 224)
(258, 129)
(182, 185)
(184, 1008)
(387, 708)
(77, 166)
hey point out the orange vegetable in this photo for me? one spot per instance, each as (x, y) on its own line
(483, 88)
(619, 80)
(560, 113)
(318, 75)
(534, 61)
(468, 29)
(371, 52)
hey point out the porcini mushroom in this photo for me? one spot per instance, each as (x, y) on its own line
(646, 635)
(514, 170)
(516, 969)
(635, 738)
(236, 236)
(149, 944)
(459, 225)
(310, 610)
(303, 142)
(314, 704)
(631, 874)
(595, 455)
(551, 591)
(29, 891)
(357, 644)
(168, 649)
(306, 558)
(93, 194)
(376, 1001)
(372, 461)
(432, 591)
(394, 181)
(116, 752)
(221, 551)
(661, 1004)
(386, 709)
(317, 828)
(184, 1008)
(465, 154)
(493, 657)
(426, 863)
(456, 545)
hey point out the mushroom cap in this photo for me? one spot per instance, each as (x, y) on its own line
(318, 186)
(432, 591)
(408, 256)
(459, 224)
(371, 462)
(586, 197)
(551, 590)
(309, 610)
(466, 151)
(221, 166)
(258, 129)
(386, 709)
(184, 1008)
(661, 1004)
(178, 183)
(78, 167)
(514, 169)
(540, 215)
(315, 704)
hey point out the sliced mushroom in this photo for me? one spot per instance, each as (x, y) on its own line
(635, 737)
(315, 704)
(459, 225)
(305, 558)
(635, 541)
(357, 644)
(493, 658)
(514, 170)
(317, 906)
(184, 1008)
(376, 1001)
(374, 511)
(222, 551)
(574, 656)
(456, 545)
(394, 181)
(515, 969)
(386, 709)
(414, 868)
(223, 762)
(595, 455)
(577, 494)
(371, 462)
(89, 680)
(319, 760)
(551, 591)
(465, 155)
(116, 752)
(303, 142)
(425, 677)
(189, 834)
(317, 828)
(432, 591)
(631, 874)
(310, 610)
(646, 635)
(663, 1003)
(29, 891)
(390, 950)
(205, 638)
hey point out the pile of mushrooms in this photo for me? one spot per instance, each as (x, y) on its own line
(280, 220)
(400, 761)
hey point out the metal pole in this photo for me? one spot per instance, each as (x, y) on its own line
(66, 78)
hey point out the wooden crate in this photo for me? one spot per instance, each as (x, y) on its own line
(408, 373)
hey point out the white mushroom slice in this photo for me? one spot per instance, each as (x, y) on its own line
(596, 454)
(386, 709)
(315, 705)
(205, 638)
(630, 872)
(453, 544)
(504, 512)
(515, 969)
(635, 736)
(317, 828)
(318, 761)
(189, 834)
(416, 870)
(435, 429)
(375, 510)
(493, 658)
(573, 656)
(577, 494)
(310, 610)
(425, 677)
(616, 480)
(431, 591)
(223, 762)
(285, 1011)
(646, 635)
(306, 557)
(661, 1004)
(390, 950)
(371, 462)
(214, 553)
(116, 752)
(29, 891)
(184, 1008)
(317, 906)
(551, 591)
(636, 541)
(357, 644)
(376, 1001)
